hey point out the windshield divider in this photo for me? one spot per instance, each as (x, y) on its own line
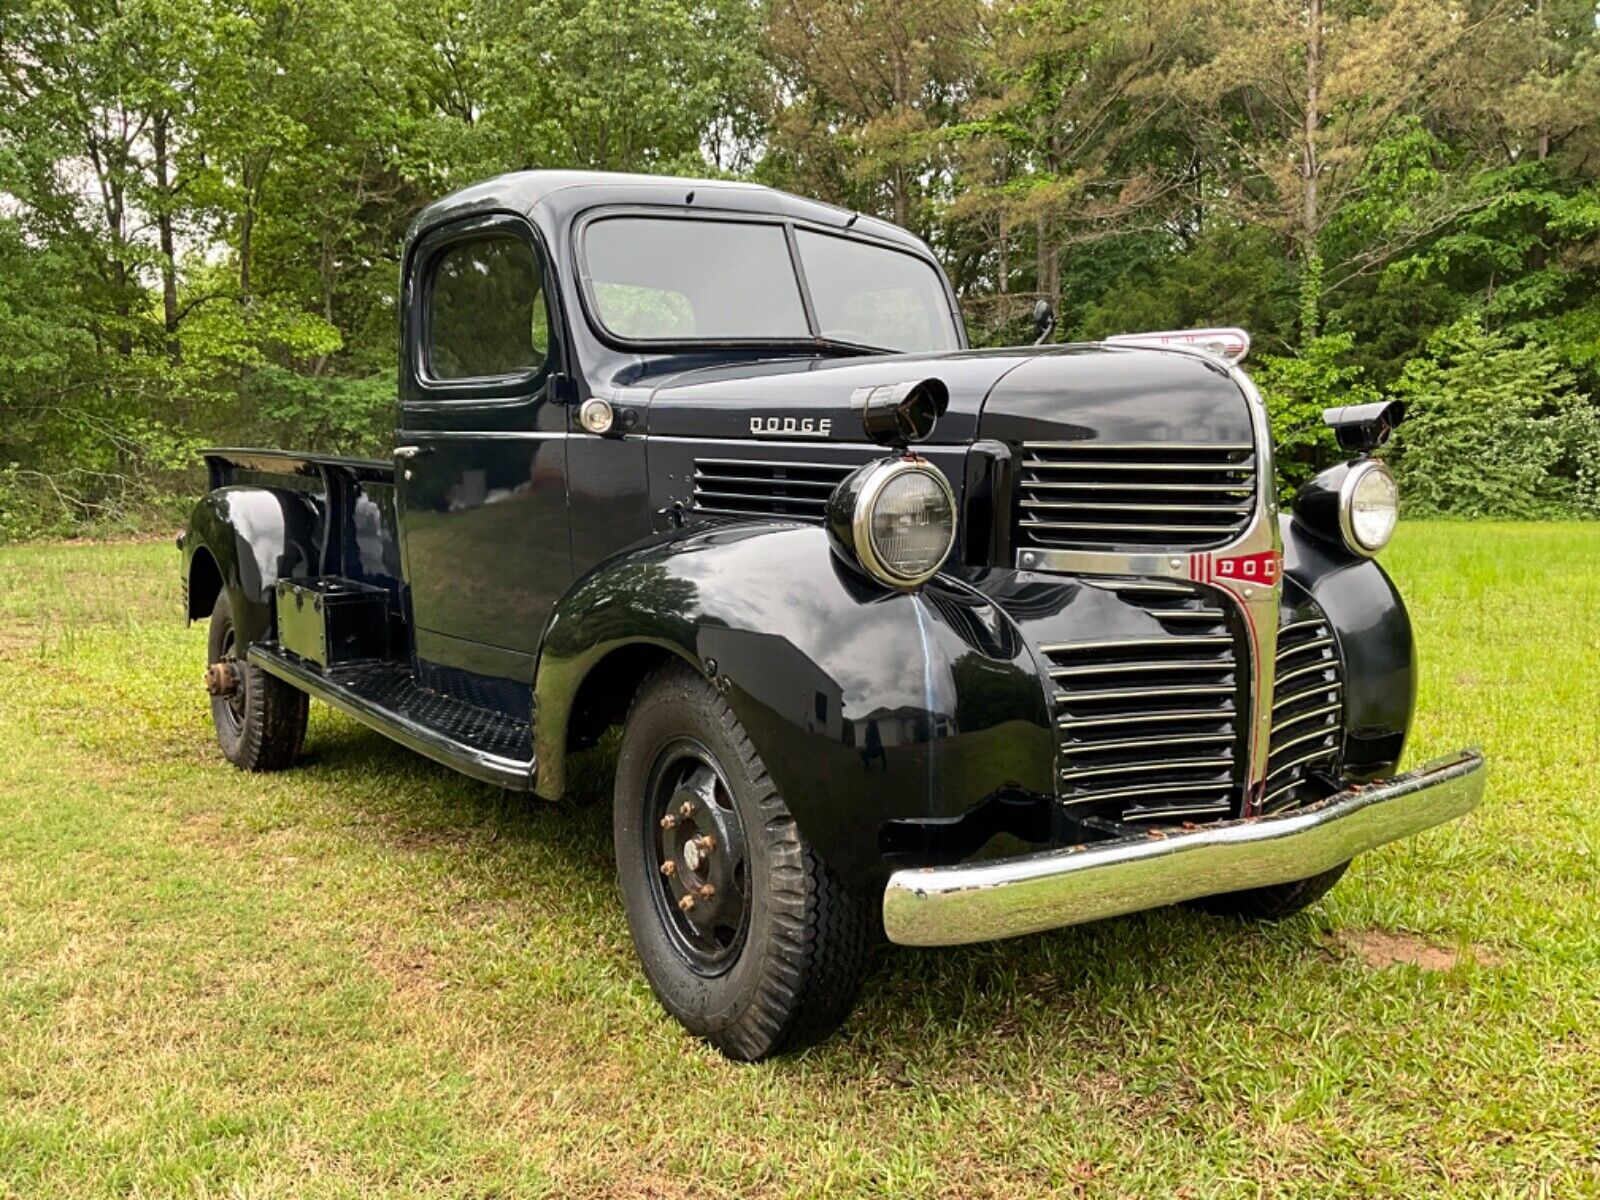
(812, 323)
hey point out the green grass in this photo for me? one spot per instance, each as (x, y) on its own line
(370, 977)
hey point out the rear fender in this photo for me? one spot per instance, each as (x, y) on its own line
(254, 536)
(865, 705)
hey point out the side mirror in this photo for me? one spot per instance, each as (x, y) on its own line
(1044, 321)
(1362, 428)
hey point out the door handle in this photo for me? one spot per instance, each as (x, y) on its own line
(411, 451)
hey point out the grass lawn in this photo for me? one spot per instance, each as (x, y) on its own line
(370, 977)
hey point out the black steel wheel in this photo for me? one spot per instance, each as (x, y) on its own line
(697, 842)
(1275, 902)
(745, 934)
(260, 720)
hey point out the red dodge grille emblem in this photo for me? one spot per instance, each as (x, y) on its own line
(1263, 568)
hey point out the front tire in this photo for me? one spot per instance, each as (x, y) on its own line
(1275, 902)
(745, 934)
(261, 721)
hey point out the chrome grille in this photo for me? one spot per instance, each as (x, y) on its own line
(1149, 726)
(792, 490)
(1110, 495)
(1307, 711)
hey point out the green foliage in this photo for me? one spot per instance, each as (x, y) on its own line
(1495, 428)
(202, 203)
(1297, 388)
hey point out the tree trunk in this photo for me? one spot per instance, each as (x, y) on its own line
(169, 265)
(1003, 270)
(119, 272)
(1049, 285)
(247, 223)
(1310, 168)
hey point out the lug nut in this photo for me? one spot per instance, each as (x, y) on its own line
(706, 843)
(668, 821)
(707, 891)
(686, 903)
(669, 868)
(686, 809)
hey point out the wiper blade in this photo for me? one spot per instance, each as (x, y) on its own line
(835, 346)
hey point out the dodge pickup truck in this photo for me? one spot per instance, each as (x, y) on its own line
(904, 639)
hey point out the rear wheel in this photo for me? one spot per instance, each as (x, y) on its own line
(1275, 902)
(746, 936)
(260, 720)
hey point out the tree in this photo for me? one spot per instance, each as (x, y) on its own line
(1060, 142)
(861, 91)
(1298, 97)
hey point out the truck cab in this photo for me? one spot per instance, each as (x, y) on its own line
(903, 638)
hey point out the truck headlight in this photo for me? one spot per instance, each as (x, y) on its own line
(1369, 507)
(1355, 505)
(896, 518)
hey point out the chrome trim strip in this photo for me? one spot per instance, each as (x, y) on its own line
(1155, 743)
(947, 906)
(1133, 643)
(1241, 507)
(1332, 687)
(1069, 485)
(1147, 768)
(1086, 464)
(1319, 752)
(1144, 667)
(1188, 714)
(1144, 585)
(1150, 693)
(1136, 813)
(1139, 527)
(1278, 726)
(1301, 739)
(1085, 444)
(1165, 789)
(1303, 623)
(1289, 652)
(1323, 664)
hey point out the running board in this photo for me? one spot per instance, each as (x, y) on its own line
(386, 696)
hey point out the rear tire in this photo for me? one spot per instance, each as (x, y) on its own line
(1273, 903)
(772, 958)
(261, 726)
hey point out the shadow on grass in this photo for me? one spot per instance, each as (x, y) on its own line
(1113, 985)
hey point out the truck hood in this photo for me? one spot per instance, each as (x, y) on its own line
(1076, 392)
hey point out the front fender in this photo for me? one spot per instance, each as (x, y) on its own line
(255, 536)
(865, 705)
(1375, 641)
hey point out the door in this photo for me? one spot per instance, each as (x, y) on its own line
(481, 456)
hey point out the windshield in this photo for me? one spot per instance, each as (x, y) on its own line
(669, 279)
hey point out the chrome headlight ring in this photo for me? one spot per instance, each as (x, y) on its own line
(1363, 475)
(855, 503)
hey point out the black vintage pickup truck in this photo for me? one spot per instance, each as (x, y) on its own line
(903, 638)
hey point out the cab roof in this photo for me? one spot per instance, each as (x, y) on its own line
(551, 198)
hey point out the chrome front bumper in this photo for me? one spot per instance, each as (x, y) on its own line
(947, 906)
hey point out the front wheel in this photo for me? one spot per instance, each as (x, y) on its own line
(260, 720)
(746, 936)
(1275, 902)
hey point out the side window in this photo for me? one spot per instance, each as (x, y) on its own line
(486, 310)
